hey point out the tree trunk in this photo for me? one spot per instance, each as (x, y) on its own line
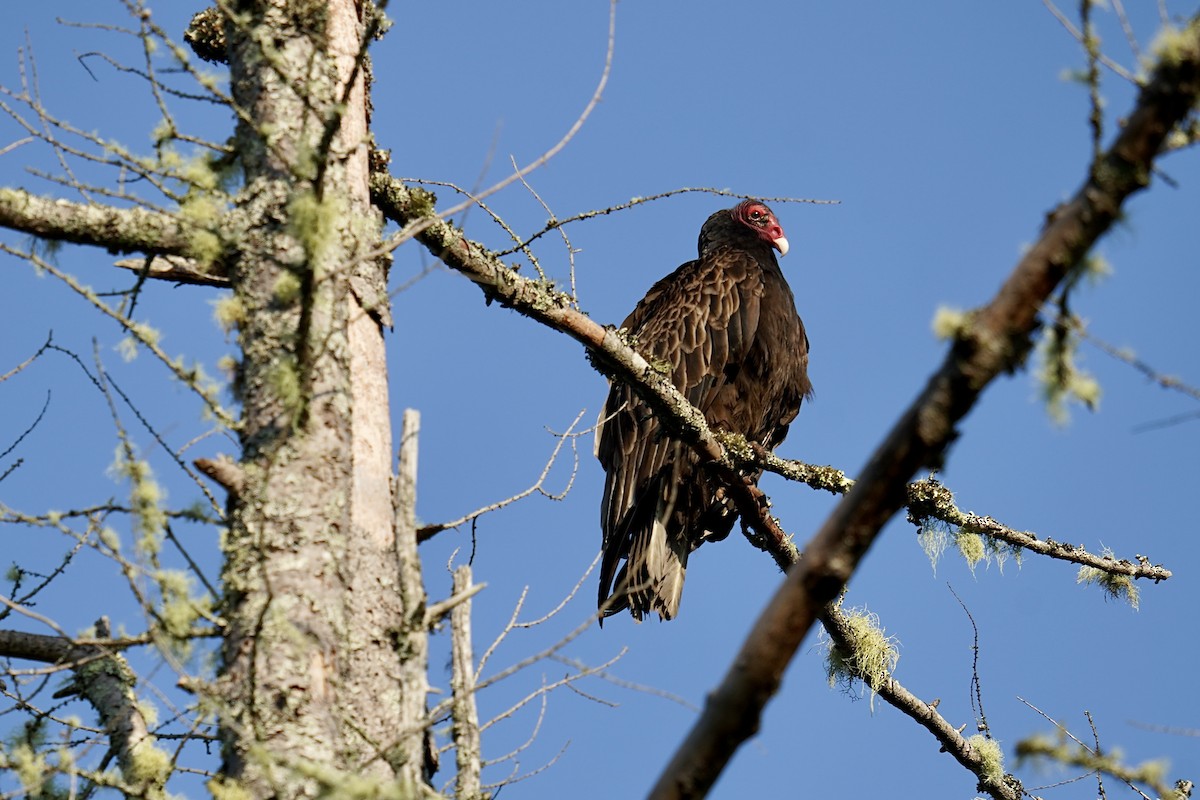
(310, 691)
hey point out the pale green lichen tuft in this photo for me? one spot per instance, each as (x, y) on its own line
(1094, 268)
(179, 610)
(139, 333)
(202, 174)
(228, 365)
(109, 538)
(148, 710)
(30, 768)
(222, 788)
(971, 547)
(421, 203)
(1173, 46)
(145, 498)
(1086, 389)
(870, 657)
(148, 766)
(169, 160)
(949, 323)
(203, 212)
(991, 757)
(1059, 377)
(1114, 585)
(287, 288)
(284, 380)
(229, 312)
(314, 222)
(163, 132)
(934, 536)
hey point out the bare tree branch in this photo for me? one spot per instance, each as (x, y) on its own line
(426, 532)
(413, 639)
(177, 269)
(1096, 761)
(467, 750)
(436, 612)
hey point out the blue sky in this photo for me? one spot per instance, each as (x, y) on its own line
(944, 130)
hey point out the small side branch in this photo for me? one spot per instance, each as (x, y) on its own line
(224, 470)
(436, 612)
(427, 532)
(177, 270)
(1043, 748)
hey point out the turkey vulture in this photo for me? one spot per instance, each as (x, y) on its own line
(725, 327)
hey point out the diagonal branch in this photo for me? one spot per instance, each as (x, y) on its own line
(925, 714)
(994, 341)
(539, 300)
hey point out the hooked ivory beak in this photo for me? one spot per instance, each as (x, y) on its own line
(780, 244)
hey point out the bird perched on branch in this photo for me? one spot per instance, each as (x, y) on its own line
(725, 328)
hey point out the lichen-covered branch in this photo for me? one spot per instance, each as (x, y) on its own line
(1044, 749)
(539, 300)
(999, 786)
(929, 499)
(612, 355)
(118, 230)
(104, 679)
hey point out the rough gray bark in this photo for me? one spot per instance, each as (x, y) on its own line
(309, 685)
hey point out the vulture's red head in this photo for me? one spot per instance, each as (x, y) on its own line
(750, 221)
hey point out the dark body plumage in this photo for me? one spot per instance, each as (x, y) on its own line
(725, 327)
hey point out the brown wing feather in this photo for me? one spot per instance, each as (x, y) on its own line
(699, 323)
